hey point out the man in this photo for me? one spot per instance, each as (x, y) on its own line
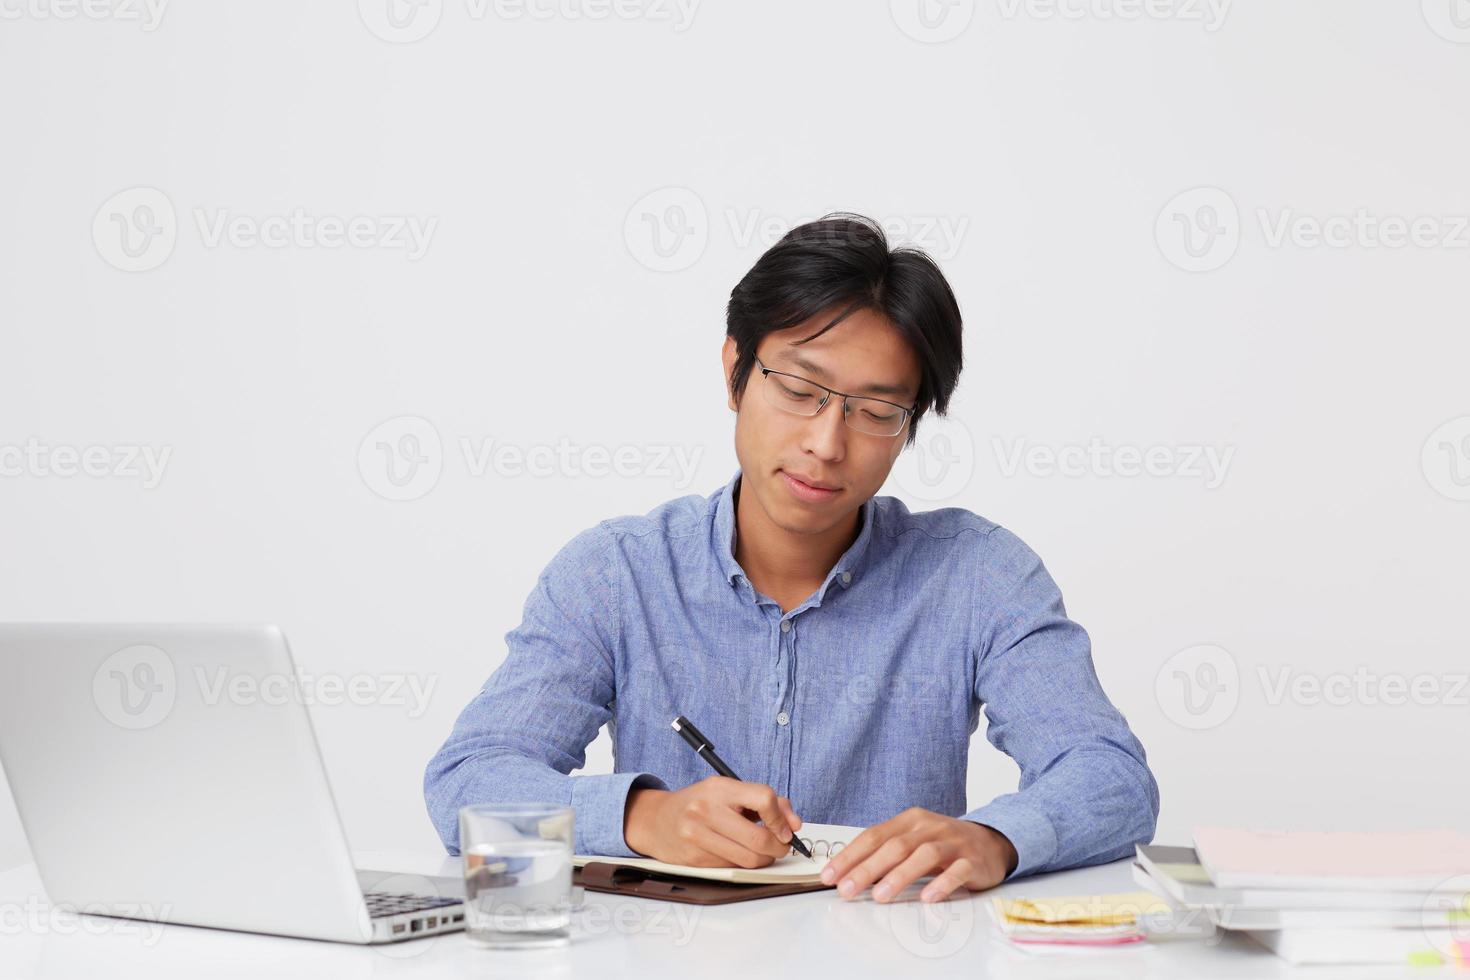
(835, 647)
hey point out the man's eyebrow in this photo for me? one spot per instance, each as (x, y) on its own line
(812, 367)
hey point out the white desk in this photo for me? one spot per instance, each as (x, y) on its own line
(816, 935)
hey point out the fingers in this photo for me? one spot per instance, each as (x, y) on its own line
(765, 803)
(876, 865)
(861, 846)
(926, 858)
(792, 820)
(753, 837)
(947, 881)
(712, 847)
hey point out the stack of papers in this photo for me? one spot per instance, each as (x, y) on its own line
(1315, 897)
(1079, 920)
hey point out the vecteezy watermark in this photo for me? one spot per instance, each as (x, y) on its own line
(1445, 919)
(1207, 464)
(39, 460)
(1445, 459)
(406, 21)
(928, 930)
(672, 920)
(330, 690)
(147, 14)
(138, 686)
(403, 458)
(941, 462)
(1363, 686)
(932, 21)
(668, 229)
(941, 235)
(37, 917)
(1200, 230)
(1198, 687)
(135, 687)
(137, 229)
(1210, 14)
(1450, 19)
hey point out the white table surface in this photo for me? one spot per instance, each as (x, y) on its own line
(815, 935)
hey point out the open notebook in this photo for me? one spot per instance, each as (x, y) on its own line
(822, 839)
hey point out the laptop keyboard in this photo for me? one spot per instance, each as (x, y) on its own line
(383, 904)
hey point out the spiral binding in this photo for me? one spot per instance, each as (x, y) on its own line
(827, 847)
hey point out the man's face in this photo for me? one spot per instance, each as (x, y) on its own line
(862, 355)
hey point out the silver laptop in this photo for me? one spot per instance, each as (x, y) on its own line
(170, 773)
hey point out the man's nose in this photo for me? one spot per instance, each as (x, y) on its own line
(826, 432)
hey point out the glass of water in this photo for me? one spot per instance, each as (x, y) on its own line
(517, 874)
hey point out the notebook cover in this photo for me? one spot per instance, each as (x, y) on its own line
(619, 879)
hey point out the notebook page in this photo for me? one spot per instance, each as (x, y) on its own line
(791, 868)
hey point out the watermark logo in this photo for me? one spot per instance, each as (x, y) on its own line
(1199, 229)
(1210, 14)
(1363, 686)
(1450, 19)
(1445, 917)
(37, 917)
(411, 692)
(148, 14)
(940, 235)
(941, 462)
(41, 460)
(402, 459)
(1363, 229)
(135, 229)
(1207, 464)
(1445, 459)
(1199, 687)
(932, 21)
(928, 930)
(667, 230)
(135, 688)
(400, 21)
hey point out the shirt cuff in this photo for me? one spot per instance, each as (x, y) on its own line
(600, 802)
(1028, 829)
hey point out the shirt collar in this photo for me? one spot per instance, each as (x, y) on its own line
(846, 569)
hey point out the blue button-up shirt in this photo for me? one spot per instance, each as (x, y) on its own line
(856, 704)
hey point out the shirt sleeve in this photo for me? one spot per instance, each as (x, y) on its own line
(1086, 794)
(531, 723)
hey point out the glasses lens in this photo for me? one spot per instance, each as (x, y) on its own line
(793, 394)
(874, 417)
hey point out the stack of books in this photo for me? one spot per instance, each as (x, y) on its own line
(1316, 897)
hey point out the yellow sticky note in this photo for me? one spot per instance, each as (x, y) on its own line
(1119, 908)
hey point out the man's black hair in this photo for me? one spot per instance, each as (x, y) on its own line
(843, 262)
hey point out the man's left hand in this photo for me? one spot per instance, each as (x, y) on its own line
(919, 842)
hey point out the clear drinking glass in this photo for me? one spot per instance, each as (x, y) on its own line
(517, 874)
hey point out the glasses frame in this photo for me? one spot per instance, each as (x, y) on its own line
(908, 413)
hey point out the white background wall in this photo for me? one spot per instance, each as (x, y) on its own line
(1037, 150)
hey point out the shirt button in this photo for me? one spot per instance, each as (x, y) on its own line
(783, 718)
(785, 628)
(847, 578)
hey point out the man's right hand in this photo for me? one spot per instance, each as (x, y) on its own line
(710, 824)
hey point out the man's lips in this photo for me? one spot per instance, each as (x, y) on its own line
(809, 491)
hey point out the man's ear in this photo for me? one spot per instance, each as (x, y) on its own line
(728, 355)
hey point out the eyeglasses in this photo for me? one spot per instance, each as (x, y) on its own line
(802, 397)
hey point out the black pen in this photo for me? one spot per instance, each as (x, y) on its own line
(706, 750)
